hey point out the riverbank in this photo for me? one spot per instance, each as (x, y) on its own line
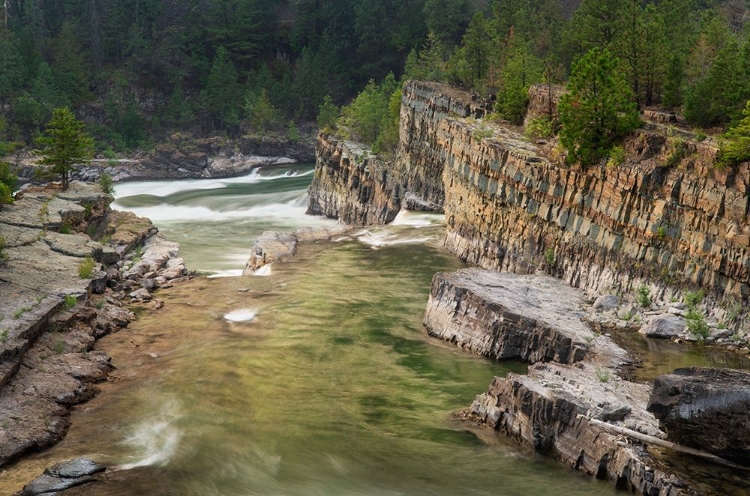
(185, 156)
(69, 266)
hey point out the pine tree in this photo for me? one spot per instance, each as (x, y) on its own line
(598, 109)
(520, 70)
(11, 64)
(328, 114)
(70, 66)
(65, 144)
(223, 91)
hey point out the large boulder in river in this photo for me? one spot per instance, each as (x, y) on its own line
(664, 326)
(706, 408)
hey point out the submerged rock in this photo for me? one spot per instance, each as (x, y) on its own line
(706, 408)
(63, 476)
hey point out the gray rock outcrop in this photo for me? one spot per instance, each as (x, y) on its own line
(707, 409)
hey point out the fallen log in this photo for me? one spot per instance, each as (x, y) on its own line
(645, 438)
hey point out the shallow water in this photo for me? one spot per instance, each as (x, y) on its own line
(317, 379)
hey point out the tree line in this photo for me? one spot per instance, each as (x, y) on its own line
(141, 67)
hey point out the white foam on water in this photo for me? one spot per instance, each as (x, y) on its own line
(381, 239)
(174, 213)
(264, 271)
(166, 188)
(157, 438)
(418, 219)
(219, 274)
(243, 315)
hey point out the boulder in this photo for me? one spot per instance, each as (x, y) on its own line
(664, 326)
(605, 303)
(707, 409)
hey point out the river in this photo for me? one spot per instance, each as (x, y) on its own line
(316, 379)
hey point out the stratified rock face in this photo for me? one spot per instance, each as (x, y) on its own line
(556, 406)
(508, 316)
(420, 163)
(352, 185)
(551, 409)
(708, 409)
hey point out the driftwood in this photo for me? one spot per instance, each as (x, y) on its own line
(666, 444)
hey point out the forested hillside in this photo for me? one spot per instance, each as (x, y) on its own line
(135, 70)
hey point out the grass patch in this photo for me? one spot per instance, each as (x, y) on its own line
(70, 301)
(17, 315)
(616, 157)
(4, 336)
(86, 268)
(549, 256)
(65, 228)
(539, 128)
(105, 181)
(59, 345)
(602, 375)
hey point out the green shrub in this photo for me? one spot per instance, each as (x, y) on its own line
(539, 128)
(616, 156)
(86, 268)
(105, 181)
(70, 301)
(693, 298)
(2, 247)
(696, 324)
(65, 228)
(7, 184)
(677, 153)
(643, 296)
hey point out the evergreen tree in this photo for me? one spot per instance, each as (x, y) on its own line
(672, 95)
(521, 70)
(328, 114)
(598, 110)
(70, 66)
(223, 91)
(65, 144)
(262, 113)
(473, 59)
(11, 64)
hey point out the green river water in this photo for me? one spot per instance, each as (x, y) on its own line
(317, 379)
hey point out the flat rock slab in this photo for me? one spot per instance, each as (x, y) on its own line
(510, 316)
(707, 409)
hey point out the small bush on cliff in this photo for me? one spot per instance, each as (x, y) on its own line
(86, 268)
(7, 184)
(539, 128)
(735, 143)
(2, 247)
(598, 110)
(105, 181)
(696, 324)
(643, 296)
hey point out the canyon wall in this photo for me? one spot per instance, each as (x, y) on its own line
(665, 215)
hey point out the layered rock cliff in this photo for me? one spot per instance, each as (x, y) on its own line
(665, 215)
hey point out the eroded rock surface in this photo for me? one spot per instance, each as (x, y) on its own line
(508, 316)
(706, 408)
(274, 246)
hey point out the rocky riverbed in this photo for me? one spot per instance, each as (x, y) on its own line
(68, 267)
